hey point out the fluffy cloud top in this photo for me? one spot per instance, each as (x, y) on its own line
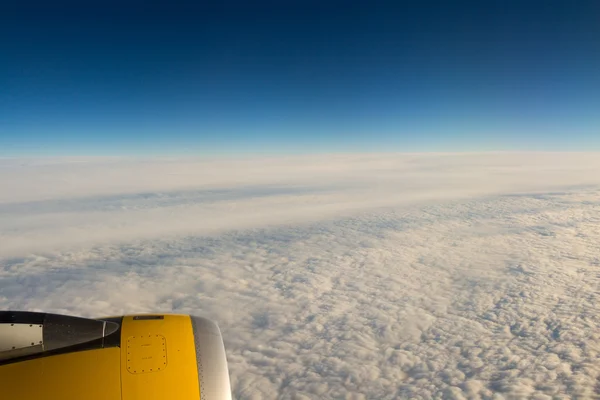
(395, 276)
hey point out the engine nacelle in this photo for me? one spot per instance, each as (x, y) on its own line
(150, 356)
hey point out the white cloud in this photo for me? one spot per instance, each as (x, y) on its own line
(56, 204)
(426, 276)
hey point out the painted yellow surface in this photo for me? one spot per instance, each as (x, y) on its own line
(156, 361)
(91, 375)
(159, 359)
(146, 353)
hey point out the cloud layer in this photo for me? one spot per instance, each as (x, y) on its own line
(52, 204)
(434, 276)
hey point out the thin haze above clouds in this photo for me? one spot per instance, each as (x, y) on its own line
(359, 276)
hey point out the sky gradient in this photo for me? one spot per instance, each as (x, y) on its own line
(287, 77)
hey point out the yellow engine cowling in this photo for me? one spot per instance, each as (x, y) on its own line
(49, 356)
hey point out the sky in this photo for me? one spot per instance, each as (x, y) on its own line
(201, 78)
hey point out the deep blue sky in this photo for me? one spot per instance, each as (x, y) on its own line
(299, 76)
